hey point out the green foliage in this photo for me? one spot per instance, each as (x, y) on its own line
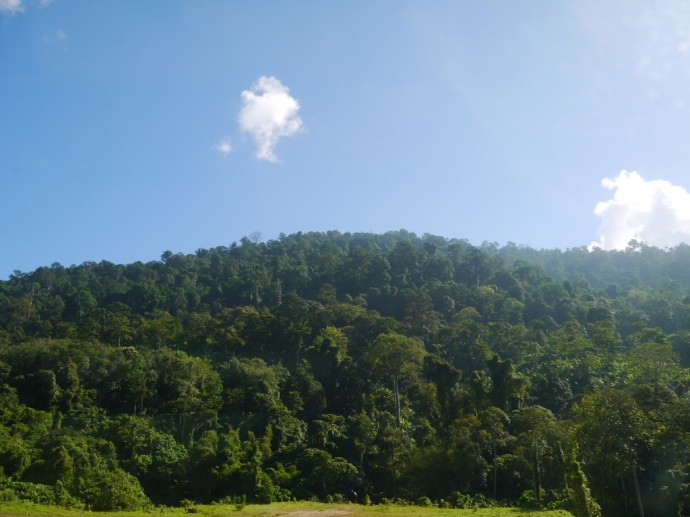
(459, 500)
(423, 501)
(118, 490)
(37, 493)
(583, 503)
(351, 367)
(529, 500)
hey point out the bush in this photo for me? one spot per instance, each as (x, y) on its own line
(459, 500)
(119, 491)
(423, 501)
(464, 501)
(37, 493)
(189, 505)
(558, 500)
(238, 501)
(528, 500)
(481, 501)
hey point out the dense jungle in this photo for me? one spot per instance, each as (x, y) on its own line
(352, 367)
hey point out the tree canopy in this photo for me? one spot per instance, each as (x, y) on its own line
(352, 366)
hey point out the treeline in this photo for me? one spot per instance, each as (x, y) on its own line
(352, 367)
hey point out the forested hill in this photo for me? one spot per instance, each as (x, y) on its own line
(352, 366)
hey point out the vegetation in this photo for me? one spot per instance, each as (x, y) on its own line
(302, 509)
(352, 367)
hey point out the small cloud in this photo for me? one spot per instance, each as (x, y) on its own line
(45, 3)
(269, 113)
(224, 147)
(11, 6)
(655, 212)
(61, 35)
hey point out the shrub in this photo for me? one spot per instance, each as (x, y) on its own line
(481, 501)
(119, 491)
(189, 505)
(528, 500)
(37, 493)
(464, 501)
(239, 501)
(423, 501)
(459, 500)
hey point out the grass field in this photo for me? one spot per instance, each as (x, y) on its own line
(299, 509)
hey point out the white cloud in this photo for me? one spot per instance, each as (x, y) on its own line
(655, 212)
(268, 114)
(11, 6)
(223, 146)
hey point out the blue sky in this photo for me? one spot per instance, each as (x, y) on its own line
(490, 121)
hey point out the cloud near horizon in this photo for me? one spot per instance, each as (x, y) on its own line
(655, 212)
(269, 113)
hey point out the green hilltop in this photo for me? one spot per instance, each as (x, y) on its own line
(352, 367)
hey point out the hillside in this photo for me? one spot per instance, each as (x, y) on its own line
(352, 367)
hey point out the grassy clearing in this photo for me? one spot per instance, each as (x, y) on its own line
(300, 509)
